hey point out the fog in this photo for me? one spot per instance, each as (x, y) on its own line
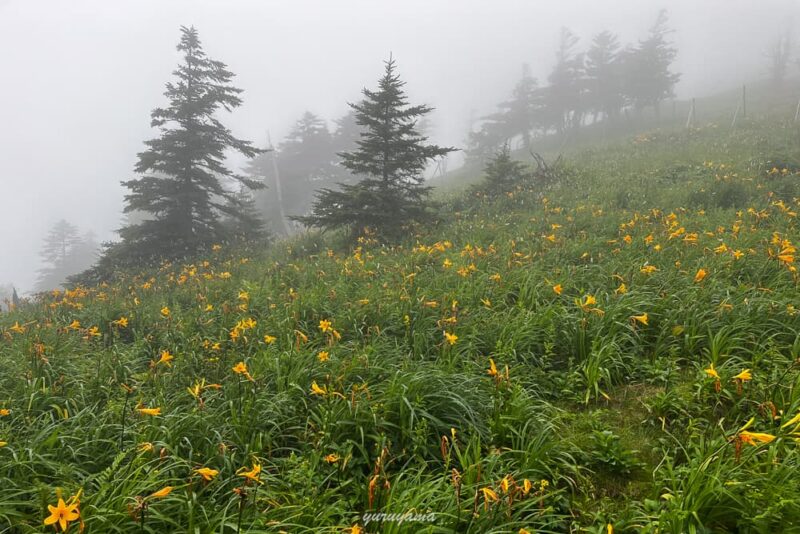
(81, 77)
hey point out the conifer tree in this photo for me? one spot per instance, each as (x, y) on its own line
(647, 76)
(180, 191)
(346, 133)
(563, 95)
(483, 143)
(304, 162)
(64, 253)
(517, 117)
(62, 238)
(248, 225)
(390, 158)
(502, 173)
(778, 55)
(603, 83)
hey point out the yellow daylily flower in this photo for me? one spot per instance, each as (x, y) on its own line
(160, 494)
(527, 485)
(252, 474)
(710, 371)
(317, 390)
(164, 358)
(489, 495)
(63, 514)
(701, 274)
(241, 369)
(754, 438)
(744, 376)
(17, 328)
(794, 420)
(492, 371)
(207, 473)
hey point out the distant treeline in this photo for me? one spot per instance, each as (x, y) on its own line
(365, 174)
(598, 84)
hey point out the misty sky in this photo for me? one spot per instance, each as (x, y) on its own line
(80, 77)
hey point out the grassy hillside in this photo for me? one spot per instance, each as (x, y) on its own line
(765, 103)
(618, 351)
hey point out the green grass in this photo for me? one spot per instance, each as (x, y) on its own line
(608, 419)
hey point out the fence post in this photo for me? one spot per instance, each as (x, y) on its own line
(744, 101)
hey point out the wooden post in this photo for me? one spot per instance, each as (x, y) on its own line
(690, 118)
(735, 114)
(744, 101)
(797, 111)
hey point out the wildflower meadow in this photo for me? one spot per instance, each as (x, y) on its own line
(617, 350)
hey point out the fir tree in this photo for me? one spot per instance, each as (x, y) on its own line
(344, 138)
(58, 245)
(647, 76)
(603, 84)
(308, 150)
(563, 95)
(64, 253)
(180, 191)
(304, 162)
(247, 226)
(346, 134)
(778, 55)
(517, 117)
(390, 158)
(484, 142)
(502, 173)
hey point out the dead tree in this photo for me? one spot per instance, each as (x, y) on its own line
(545, 176)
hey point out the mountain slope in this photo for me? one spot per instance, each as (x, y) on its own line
(620, 348)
